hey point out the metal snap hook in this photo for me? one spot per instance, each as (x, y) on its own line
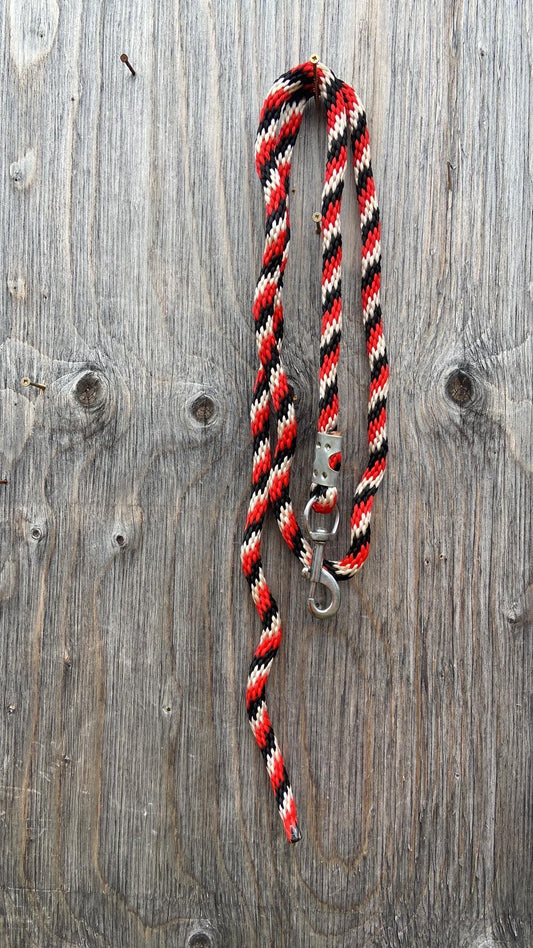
(320, 576)
(331, 584)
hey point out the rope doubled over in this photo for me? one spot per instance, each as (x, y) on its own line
(280, 120)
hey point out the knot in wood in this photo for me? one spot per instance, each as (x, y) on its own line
(89, 391)
(460, 387)
(202, 936)
(203, 409)
(200, 940)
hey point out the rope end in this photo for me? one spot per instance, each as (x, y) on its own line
(295, 836)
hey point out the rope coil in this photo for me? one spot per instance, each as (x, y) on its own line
(280, 120)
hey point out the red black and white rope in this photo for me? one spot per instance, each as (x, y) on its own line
(280, 120)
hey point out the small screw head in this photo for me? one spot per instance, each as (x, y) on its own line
(26, 381)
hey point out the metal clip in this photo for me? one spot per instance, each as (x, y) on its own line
(318, 574)
(327, 445)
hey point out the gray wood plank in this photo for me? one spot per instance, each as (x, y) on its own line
(134, 809)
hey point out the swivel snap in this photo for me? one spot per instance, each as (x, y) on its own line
(319, 534)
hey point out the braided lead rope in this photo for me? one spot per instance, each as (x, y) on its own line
(280, 120)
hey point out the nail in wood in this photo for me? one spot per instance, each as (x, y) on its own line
(124, 59)
(314, 60)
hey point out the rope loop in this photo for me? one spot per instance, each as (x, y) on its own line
(347, 132)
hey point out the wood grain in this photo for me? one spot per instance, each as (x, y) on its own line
(134, 809)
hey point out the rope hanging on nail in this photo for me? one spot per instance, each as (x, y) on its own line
(347, 132)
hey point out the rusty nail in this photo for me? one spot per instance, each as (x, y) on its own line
(124, 59)
(314, 60)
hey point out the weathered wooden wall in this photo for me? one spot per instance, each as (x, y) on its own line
(134, 809)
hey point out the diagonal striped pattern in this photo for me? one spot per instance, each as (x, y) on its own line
(280, 120)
